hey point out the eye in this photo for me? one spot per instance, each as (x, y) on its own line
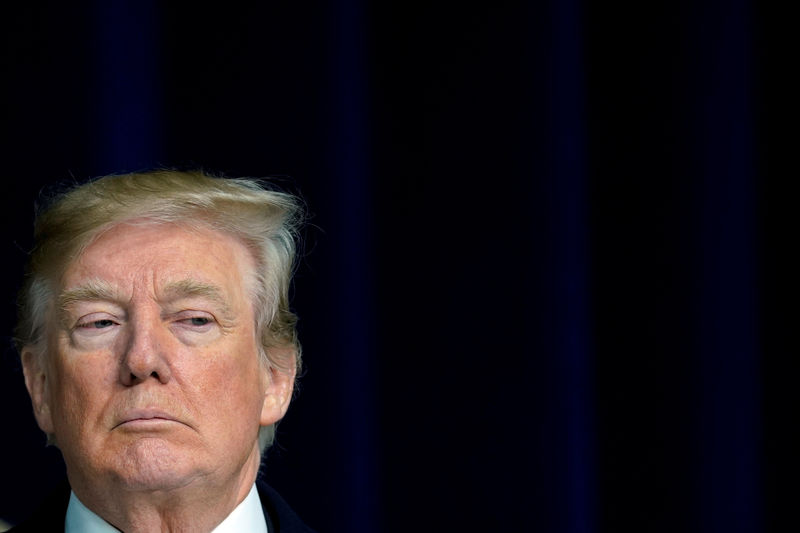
(194, 324)
(196, 321)
(97, 324)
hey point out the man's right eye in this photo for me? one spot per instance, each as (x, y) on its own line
(97, 324)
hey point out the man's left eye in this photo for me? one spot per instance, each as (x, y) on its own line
(199, 320)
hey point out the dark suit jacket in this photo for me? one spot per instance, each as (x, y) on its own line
(49, 518)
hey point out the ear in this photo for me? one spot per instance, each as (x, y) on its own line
(38, 388)
(279, 386)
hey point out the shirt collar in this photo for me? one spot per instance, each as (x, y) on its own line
(247, 516)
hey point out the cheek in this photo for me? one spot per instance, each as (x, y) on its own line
(231, 385)
(77, 390)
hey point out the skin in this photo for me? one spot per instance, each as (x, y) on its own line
(151, 382)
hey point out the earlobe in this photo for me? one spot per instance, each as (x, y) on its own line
(277, 395)
(37, 385)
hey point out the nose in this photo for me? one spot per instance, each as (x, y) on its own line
(145, 354)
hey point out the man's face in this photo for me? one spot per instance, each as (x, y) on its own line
(152, 378)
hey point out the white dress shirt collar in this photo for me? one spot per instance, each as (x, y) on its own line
(247, 516)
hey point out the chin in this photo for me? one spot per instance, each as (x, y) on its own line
(154, 464)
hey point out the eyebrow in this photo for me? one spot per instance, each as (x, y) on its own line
(99, 290)
(91, 290)
(189, 288)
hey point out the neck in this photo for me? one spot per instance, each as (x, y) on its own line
(199, 506)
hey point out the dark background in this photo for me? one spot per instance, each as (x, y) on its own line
(548, 282)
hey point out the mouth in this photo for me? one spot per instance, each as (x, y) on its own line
(145, 419)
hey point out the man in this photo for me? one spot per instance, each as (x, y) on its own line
(159, 351)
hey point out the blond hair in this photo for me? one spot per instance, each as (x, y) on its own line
(264, 220)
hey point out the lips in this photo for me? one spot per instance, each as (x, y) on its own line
(144, 417)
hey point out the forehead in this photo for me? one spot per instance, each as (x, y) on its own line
(146, 254)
